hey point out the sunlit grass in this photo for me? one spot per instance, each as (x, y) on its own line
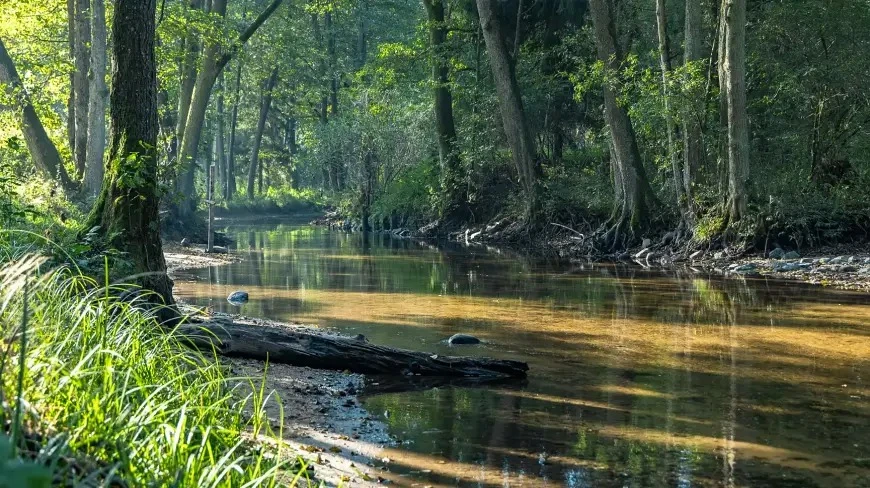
(94, 390)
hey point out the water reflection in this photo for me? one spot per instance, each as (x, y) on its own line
(639, 378)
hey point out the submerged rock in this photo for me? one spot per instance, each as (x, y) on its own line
(777, 253)
(459, 339)
(238, 297)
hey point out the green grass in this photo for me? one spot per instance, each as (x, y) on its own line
(93, 390)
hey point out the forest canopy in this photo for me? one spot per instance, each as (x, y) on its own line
(719, 120)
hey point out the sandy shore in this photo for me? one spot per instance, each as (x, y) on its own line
(323, 419)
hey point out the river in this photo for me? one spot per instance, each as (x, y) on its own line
(639, 378)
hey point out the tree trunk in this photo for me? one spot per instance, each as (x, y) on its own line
(188, 79)
(738, 129)
(71, 101)
(127, 208)
(213, 61)
(665, 65)
(82, 62)
(723, 100)
(42, 149)
(219, 146)
(265, 103)
(333, 63)
(510, 101)
(317, 350)
(634, 195)
(97, 103)
(362, 34)
(693, 149)
(234, 118)
(451, 166)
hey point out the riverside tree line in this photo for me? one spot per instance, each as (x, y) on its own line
(721, 120)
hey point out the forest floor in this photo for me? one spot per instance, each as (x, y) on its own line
(323, 418)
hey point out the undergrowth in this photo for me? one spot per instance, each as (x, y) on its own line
(95, 393)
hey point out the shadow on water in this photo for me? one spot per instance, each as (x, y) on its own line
(638, 377)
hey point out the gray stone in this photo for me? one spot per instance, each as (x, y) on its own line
(791, 255)
(746, 268)
(459, 339)
(777, 253)
(238, 298)
(808, 261)
(837, 260)
(786, 267)
(854, 259)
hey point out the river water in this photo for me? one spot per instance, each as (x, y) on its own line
(638, 378)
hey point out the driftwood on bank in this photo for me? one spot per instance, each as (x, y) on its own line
(315, 350)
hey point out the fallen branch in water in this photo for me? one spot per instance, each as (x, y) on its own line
(299, 348)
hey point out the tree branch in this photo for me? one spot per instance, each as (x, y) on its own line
(248, 33)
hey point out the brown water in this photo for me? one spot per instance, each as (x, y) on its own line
(638, 378)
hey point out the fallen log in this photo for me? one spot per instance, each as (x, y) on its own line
(316, 350)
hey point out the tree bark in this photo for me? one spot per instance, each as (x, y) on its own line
(42, 149)
(127, 208)
(234, 118)
(693, 149)
(265, 103)
(82, 62)
(71, 101)
(738, 128)
(213, 61)
(451, 166)
(634, 195)
(513, 115)
(188, 78)
(97, 103)
(665, 65)
(333, 63)
(323, 351)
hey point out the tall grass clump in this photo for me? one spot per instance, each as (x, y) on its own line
(94, 391)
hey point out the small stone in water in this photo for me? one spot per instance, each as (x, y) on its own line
(238, 297)
(462, 339)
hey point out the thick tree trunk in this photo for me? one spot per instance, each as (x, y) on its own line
(97, 103)
(635, 197)
(265, 103)
(665, 65)
(323, 351)
(234, 118)
(513, 116)
(188, 78)
(738, 128)
(451, 166)
(42, 149)
(693, 149)
(127, 208)
(213, 61)
(82, 63)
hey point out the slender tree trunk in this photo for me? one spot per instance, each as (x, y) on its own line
(693, 149)
(738, 127)
(127, 208)
(665, 64)
(219, 146)
(451, 166)
(362, 34)
(513, 116)
(634, 195)
(723, 101)
(213, 62)
(97, 102)
(42, 149)
(82, 62)
(231, 158)
(188, 77)
(333, 63)
(265, 103)
(71, 101)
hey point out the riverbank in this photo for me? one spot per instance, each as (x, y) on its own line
(324, 422)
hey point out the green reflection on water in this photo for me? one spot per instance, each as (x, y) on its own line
(638, 378)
